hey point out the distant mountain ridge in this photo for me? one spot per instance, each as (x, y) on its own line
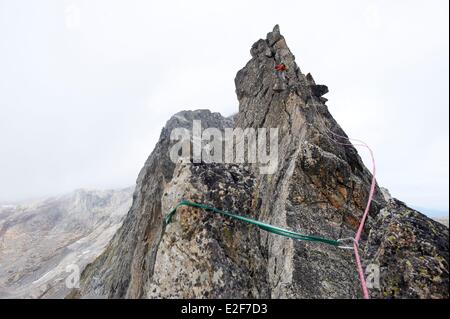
(430, 212)
(40, 238)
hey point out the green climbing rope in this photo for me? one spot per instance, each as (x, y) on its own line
(264, 226)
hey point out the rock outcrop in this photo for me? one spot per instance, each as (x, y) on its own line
(411, 251)
(320, 187)
(40, 239)
(128, 263)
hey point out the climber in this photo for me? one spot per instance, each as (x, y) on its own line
(281, 67)
(280, 84)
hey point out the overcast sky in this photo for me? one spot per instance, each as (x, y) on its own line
(86, 85)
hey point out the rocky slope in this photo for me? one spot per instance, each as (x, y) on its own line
(39, 240)
(320, 187)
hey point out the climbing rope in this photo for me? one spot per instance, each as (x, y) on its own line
(264, 226)
(358, 234)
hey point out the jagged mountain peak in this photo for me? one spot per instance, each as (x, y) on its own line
(319, 187)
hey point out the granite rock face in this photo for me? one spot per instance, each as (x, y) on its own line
(126, 267)
(210, 256)
(320, 187)
(411, 251)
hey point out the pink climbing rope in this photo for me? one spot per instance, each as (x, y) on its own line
(366, 210)
(361, 227)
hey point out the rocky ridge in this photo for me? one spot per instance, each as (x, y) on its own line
(320, 188)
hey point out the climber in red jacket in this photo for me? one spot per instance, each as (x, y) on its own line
(280, 84)
(280, 67)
